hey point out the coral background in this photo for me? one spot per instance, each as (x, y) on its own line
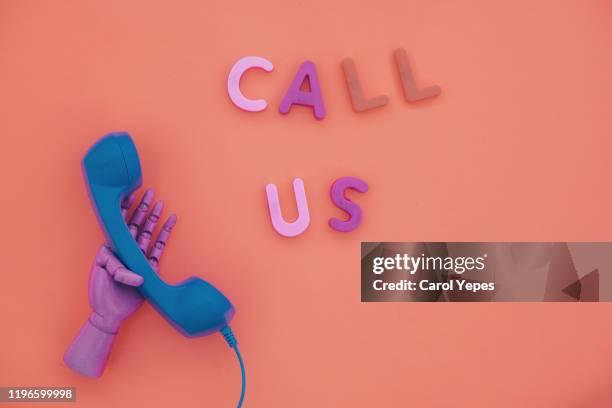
(516, 148)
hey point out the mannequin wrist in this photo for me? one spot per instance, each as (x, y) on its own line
(89, 351)
(106, 324)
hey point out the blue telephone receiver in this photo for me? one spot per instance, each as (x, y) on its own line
(112, 171)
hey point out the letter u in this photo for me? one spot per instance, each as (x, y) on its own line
(289, 229)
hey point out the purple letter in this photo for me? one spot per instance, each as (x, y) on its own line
(294, 95)
(353, 210)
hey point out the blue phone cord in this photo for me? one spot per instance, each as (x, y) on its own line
(233, 343)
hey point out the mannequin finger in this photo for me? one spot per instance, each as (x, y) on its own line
(128, 277)
(126, 203)
(162, 239)
(141, 212)
(108, 263)
(113, 265)
(103, 255)
(144, 237)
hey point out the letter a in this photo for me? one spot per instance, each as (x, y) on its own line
(295, 95)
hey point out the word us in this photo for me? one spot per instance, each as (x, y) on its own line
(305, 89)
(337, 195)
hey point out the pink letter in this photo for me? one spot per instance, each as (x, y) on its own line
(294, 95)
(338, 198)
(289, 229)
(233, 83)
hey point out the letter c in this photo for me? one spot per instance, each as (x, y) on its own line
(233, 83)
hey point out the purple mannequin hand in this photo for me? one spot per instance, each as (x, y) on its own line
(112, 288)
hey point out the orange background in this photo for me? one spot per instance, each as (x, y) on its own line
(516, 148)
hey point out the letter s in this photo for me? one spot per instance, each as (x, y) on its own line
(338, 198)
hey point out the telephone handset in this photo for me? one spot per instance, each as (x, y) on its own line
(112, 171)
